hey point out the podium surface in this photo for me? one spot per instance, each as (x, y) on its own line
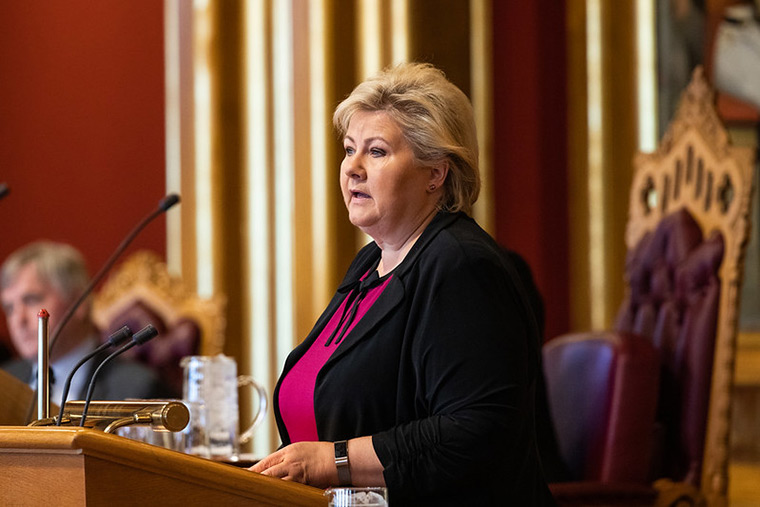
(81, 466)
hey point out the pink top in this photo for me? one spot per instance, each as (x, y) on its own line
(296, 397)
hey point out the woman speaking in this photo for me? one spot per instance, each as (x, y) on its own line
(420, 374)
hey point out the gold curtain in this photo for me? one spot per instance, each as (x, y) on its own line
(251, 86)
(602, 136)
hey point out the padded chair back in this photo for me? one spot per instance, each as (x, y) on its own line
(673, 300)
(141, 291)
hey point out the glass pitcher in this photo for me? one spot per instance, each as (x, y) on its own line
(210, 390)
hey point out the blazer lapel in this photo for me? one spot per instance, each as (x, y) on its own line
(391, 297)
(393, 294)
(364, 261)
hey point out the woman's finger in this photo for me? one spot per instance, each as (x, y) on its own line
(266, 462)
(285, 471)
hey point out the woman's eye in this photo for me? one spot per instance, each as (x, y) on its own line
(349, 150)
(377, 152)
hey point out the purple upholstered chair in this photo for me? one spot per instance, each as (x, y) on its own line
(642, 412)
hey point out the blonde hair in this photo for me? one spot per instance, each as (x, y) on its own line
(436, 119)
(58, 264)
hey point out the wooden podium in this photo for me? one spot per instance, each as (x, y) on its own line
(81, 466)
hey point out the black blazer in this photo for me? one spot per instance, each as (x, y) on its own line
(440, 372)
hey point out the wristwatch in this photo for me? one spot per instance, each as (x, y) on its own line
(341, 463)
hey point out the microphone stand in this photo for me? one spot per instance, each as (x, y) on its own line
(114, 340)
(163, 206)
(145, 334)
(160, 415)
(43, 365)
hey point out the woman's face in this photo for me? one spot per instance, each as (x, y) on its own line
(385, 190)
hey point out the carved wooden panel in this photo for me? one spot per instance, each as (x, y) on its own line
(144, 276)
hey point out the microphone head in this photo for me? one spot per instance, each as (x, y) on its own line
(168, 201)
(120, 336)
(145, 334)
(4, 190)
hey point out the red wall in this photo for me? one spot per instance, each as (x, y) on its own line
(81, 123)
(530, 130)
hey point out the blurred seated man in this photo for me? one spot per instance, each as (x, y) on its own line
(52, 276)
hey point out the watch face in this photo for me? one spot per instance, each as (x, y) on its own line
(341, 449)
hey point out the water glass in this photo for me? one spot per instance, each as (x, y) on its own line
(349, 497)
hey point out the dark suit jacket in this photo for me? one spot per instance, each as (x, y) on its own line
(440, 371)
(118, 380)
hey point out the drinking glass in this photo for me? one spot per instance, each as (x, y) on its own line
(349, 497)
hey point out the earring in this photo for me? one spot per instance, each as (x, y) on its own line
(432, 187)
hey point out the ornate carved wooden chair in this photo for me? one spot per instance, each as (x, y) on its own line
(656, 399)
(141, 291)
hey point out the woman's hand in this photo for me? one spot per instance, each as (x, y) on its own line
(311, 463)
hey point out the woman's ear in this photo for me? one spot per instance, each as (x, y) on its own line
(438, 173)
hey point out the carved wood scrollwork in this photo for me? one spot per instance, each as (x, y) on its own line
(144, 276)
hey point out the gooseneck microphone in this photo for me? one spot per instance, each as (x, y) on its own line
(4, 190)
(114, 340)
(163, 206)
(145, 334)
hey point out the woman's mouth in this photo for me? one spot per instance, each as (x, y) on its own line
(359, 195)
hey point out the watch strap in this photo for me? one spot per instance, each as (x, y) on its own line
(341, 463)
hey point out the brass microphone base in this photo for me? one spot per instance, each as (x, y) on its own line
(160, 415)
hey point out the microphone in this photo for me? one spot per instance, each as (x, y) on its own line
(163, 206)
(4, 190)
(114, 340)
(145, 334)
(168, 201)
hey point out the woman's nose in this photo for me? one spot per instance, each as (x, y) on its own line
(353, 167)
